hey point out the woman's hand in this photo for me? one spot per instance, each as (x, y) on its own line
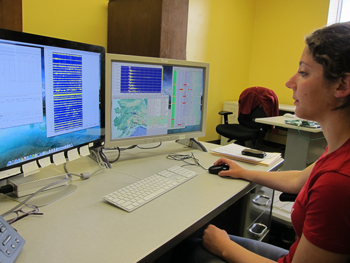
(215, 240)
(219, 243)
(236, 171)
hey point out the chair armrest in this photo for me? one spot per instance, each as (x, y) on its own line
(288, 197)
(225, 114)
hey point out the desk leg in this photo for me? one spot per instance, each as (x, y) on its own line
(297, 149)
(316, 147)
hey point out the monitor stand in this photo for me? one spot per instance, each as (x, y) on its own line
(193, 143)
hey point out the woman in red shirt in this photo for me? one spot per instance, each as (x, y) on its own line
(321, 212)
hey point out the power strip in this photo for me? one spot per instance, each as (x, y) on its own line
(32, 183)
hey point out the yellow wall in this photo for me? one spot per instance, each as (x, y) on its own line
(262, 39)
(221, 33)
(247, 42)
(78, 20)
(279, 31)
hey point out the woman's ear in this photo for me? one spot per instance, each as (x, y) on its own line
(343, 89)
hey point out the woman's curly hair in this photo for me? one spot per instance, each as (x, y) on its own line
(330, 47)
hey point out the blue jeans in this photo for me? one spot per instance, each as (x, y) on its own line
(198, 254)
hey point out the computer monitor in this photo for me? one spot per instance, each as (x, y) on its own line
(154, 99)
(51, 98)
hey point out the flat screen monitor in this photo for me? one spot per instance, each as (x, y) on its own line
(51, 98)
(154, 99)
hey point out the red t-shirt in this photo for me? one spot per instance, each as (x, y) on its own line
(322, 209)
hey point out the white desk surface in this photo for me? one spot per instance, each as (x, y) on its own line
(286, 107)
(304, 145)
(279, 121)
(81, 227)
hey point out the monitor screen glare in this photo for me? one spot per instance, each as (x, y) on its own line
(49, 97)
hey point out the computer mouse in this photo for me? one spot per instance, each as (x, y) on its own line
(215, 169)
(289, 115)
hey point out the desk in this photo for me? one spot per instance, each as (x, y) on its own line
(302, 147)
(81, 227)
(286, 108)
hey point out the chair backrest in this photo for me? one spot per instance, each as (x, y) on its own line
(252, 97)
(248, 119)
(257, 102)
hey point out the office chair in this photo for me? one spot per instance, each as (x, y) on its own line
(254, 102)
(286, 197)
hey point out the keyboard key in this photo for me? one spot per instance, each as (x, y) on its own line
(135, 195)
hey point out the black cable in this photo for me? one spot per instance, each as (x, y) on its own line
(104, 158)
(128, 148)
(6, 189)
(112, 149)
(153, 147)
(119, 151)
(124, 149)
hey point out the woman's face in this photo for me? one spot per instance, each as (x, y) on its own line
(311, 92)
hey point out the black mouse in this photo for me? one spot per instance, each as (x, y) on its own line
(215, 169)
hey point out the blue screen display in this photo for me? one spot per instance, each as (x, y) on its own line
(50, 96)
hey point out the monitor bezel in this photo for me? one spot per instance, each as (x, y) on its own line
(10, 35)
(110, 58)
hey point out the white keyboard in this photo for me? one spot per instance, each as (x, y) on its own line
(137, 194)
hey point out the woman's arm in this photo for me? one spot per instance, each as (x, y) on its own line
(306, 252)
(218, 242)
(285, 181)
